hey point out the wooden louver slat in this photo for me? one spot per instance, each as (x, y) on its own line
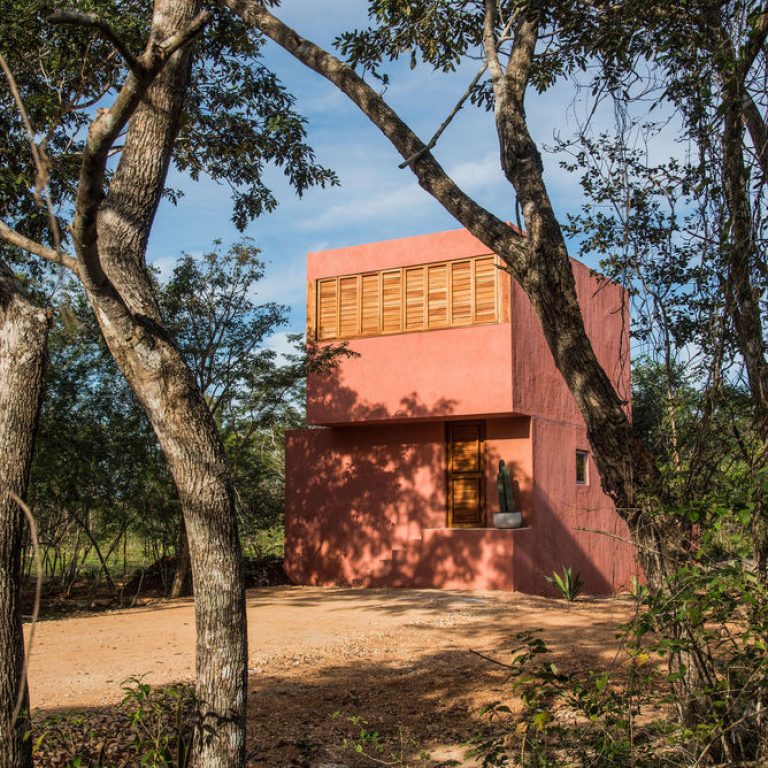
(371, 311)
(465, 453)
(414, 298)
(348, 306)
(465, 493)
(392, 308)
(327, 312)
(437, 296)
(429, 296)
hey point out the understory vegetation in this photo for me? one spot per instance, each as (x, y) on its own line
(109, 521)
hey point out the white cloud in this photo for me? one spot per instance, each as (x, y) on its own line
(390, 204)
(473, 175)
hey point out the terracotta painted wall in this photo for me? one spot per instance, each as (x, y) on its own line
(434, 374)
(365, 503)
(503, 368)
(366, 506)
(354, 494)
(509, 439)
(429, 374)
(561, 508)
(402, 252)
(538, 388)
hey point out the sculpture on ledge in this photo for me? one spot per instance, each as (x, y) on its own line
(507, 516)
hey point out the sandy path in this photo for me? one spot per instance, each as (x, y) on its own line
(302, 632)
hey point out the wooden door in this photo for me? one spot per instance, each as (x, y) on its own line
(465, 449)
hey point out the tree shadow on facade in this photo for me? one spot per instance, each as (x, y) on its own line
(367, 506)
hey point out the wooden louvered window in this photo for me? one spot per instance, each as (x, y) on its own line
(465, 470)
(424, 297)
(485, 290)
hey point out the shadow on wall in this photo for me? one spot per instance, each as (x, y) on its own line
(366, 506)
(590, 539)
(334, 402)
(355, 494)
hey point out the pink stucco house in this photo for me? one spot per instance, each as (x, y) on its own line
(394, 483)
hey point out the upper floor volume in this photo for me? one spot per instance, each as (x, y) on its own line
(440, 330)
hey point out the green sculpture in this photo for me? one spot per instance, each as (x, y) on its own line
(507, 516)
(506, 499)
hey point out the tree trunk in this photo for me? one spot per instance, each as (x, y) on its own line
(187, 434)
(182, 578)
(742, 295)
(111, 253)
(23, 335)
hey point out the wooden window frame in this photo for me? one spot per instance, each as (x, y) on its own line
(481, 472)
(501, 294)
(580, 452)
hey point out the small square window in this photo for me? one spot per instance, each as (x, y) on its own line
(581, 467)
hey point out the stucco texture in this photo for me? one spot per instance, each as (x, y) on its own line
(366, 492)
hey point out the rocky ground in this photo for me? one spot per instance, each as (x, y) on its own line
(402, 660)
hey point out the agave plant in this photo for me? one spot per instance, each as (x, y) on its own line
(569, 584)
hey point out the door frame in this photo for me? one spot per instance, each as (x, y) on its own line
(480, 423)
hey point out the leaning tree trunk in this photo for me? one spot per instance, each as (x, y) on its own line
(189, 439)
(23, 334)
(539, 262)
(111, 239)
(742, 296)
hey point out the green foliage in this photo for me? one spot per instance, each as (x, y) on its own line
(377, 748)
(566, 719)
(568, 584)
(152, 728)
(163, 723)
(712, 625)
(63, 71)
(98, 475)
(637, 590)
(209, 307)
(97, 469)
(688, 687)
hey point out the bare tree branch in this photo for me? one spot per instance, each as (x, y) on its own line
(170, 45)
(432, 177)
(758, 132)
(754, 43)
(521, 57)
(447, 121)
(102, 134)
(106, 31)
(39, 158)
(12, 237)
(490, 43)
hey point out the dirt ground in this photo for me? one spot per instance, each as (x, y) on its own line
(399, 658)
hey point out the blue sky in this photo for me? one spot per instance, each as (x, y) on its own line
(376, 200)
